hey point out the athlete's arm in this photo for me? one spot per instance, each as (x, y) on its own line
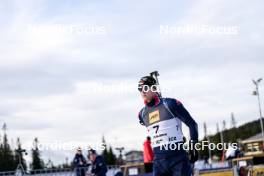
(186, 118)
(140, 118)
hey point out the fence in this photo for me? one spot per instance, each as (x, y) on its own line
(112, 170)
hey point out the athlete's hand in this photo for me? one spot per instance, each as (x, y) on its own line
(193, 153)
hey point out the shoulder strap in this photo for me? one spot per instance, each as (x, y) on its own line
(143, 112)
(167, 107)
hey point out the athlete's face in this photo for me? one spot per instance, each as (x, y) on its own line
(147, 95)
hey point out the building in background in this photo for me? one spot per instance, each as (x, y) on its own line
(253, 145)
(134, 156)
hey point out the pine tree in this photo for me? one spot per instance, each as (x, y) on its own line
(7, 158)
(1, 154)
(105, 151)
(233, 120)
(108, 154)
(217, 128)
(224, 125)
(205, 130)
(233, 136)
(37, 162)
(111, 157)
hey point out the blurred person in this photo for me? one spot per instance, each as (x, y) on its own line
(148, 155)
(99, 167)
(79, 162)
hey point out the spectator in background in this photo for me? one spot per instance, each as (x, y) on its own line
(79, 163)
(98, 164)
(148, 155)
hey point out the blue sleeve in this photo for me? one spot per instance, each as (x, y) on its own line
(140, 117)
(83, 160)
(185, 117)
(102, 167)
(75, 161)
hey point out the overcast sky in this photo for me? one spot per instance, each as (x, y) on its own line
(69, 69)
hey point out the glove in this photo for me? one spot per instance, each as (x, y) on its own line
(193, 153)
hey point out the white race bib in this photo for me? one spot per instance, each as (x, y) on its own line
(166, 132)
